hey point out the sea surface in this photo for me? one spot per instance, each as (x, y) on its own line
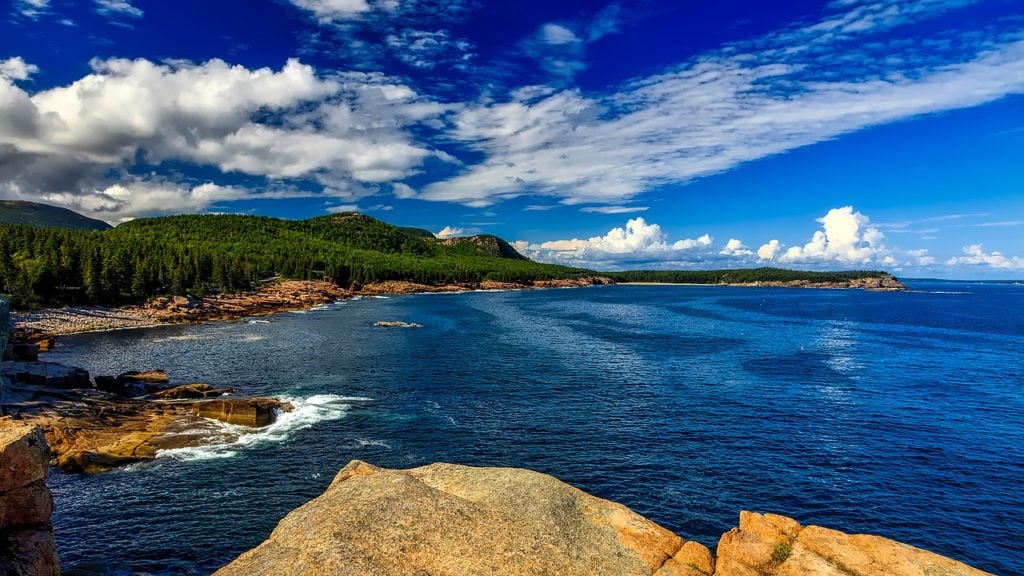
(898, 414)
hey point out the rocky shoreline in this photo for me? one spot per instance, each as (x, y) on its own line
(40, 327)
(117, 420)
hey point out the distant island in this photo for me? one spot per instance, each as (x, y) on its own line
(45, 262)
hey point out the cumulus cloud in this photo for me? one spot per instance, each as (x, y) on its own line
(747, 101)
(847, 238)
(735, 248)
(123, 201)
(637, 242)
(15, 69)
(691, 243)
(770, 250)
(344, 133)
(974, 255)
(450, 232)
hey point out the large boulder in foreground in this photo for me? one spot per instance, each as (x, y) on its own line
(769, 545)
(448, 520)
(26, 534)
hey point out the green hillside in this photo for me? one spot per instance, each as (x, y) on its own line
(200, 254)
(35, 214)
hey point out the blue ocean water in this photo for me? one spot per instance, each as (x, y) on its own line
(899, 414)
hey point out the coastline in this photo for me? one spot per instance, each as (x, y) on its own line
(869, 284)
(42, 325)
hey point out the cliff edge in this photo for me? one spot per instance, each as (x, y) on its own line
(449, 520)
(26, 535)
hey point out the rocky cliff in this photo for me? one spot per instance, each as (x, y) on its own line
(448, 520)
(26, 534)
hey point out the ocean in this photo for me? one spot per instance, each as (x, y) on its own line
(897, 414)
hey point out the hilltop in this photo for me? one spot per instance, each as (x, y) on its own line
(204, 254)
(24, 213)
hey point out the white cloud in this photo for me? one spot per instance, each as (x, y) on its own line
(770, 250)
(450, 232)
(402, 191)
(345, 133)
(343, 208)
(614, 209)
(689, 243)
(16, 69)
(846, 237)
(638, 241)
(557, 34)
(735, 248)
(32, 8)
(124, 201)
(116, 8)
(334, 10)
(974, 255)
(747, 101)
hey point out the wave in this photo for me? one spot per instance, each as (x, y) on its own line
(227, 440)
(259, 321)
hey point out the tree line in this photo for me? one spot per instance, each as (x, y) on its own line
(201, 254)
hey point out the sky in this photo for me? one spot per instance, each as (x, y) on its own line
(839, 134)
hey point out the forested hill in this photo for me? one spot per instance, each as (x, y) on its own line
(36, 214)
(199, 254)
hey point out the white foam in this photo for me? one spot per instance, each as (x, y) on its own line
(259, 321)
(227, 440)
(378, 297)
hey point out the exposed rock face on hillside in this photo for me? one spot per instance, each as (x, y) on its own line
(26, 534)
(486, 244)
(448, 520)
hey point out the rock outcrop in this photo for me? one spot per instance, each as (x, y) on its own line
(448, 520)
(128, 419)
(26, 505)
(770, 545)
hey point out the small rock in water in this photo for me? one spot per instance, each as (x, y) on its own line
(397, 324)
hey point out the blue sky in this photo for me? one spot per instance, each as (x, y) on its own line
(838, 134)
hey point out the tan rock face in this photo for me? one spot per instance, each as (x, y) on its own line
(95, 430)
(769, 545)
(26, 534)
(447, 520)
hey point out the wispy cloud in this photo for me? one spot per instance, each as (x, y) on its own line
(747, 101)
(615, 209)
(118, 9)
(31, 9)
